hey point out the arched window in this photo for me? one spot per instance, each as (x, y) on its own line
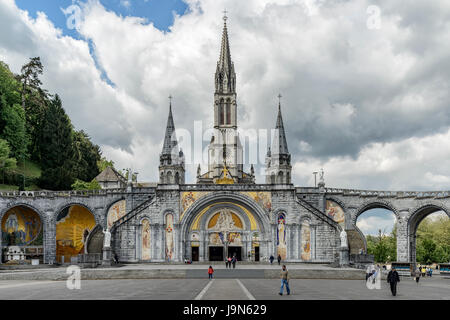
(221, 112)
(281, 236)
(288, 177)
(272, 178)
(177, 178)
(162, 177)
(145, 240)
(280, 177)
(169, 177)
(228, 111)
(169, 237)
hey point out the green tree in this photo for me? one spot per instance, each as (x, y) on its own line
(103, 163)
(56, 143)
(382, 247)
(14, 131)
(83, 185)
(86, 156)
(29, 77)
(5, 161)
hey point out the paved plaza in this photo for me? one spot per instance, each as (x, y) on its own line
(436, 288)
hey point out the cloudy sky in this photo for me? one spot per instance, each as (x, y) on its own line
(365, 83)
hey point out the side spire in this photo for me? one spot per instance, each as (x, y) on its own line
(171, 160)
(170, 140)
(281, 142)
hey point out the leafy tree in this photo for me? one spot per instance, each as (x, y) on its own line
(5, 161)
(86, 156)
(382, 247)
(29, 77)
(56, 143)
(103, 163)
(14, 131)
(83, 185)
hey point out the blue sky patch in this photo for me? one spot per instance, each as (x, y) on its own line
(158, 12)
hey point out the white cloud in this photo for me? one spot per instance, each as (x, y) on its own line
(371, 225)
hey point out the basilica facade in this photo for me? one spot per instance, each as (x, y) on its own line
(225, 212)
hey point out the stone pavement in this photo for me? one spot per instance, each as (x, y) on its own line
(183, 271)
(436, 288)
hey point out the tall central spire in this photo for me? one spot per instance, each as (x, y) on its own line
(225, 75)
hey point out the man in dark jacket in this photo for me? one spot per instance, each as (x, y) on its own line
(392, 279)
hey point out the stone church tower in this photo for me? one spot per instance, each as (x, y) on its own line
(278, 160)
(225, 154)
(171, 160)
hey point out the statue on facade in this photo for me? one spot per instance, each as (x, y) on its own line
(107, 238)
(225, 221)
(321, 179)
(344, 243)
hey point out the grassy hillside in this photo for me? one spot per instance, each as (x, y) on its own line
(31, 171)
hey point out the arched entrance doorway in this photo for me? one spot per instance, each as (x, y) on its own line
(225, 233)
(413, 225)
(22, 234)
(218, 225)
(73, 226)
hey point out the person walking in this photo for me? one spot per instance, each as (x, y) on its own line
(229, 262)
(423, 272)
(431, 272)
(284, 281)
(233, 261)
(271, 259)
(226, 263)
(210, 272)
(417, 275)
(279, 259)
(392, 279)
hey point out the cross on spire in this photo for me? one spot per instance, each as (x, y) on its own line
(225, 18)
(279, 98)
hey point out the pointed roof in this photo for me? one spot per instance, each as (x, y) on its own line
(170, 140)
(225, 63)
(279, 145)
(110, 175)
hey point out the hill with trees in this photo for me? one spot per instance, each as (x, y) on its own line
(39, 146)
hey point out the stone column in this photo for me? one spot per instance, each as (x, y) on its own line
(313, 242)
(155, 245)
(274, 240)
(402, 240)
(202, 249)
(138, 247)
(162, 240)
(49, 238)
(297, 251)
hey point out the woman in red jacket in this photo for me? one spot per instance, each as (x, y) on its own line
(210, 272)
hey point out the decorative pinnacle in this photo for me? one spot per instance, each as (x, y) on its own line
(170, 99)
(225, 18)
(279, 100)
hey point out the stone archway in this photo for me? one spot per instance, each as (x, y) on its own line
(23, 227)
(195, 220)
(74, 223)
(361, 240)
(417, 216)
